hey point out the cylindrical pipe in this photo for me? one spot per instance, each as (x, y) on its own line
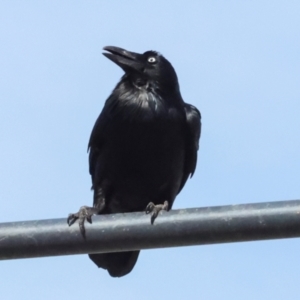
(123, 232)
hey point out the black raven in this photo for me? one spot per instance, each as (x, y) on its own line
(143, 146)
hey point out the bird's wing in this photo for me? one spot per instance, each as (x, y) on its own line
(99, 134)
(95, 144)
(97, 139)
(193, 131)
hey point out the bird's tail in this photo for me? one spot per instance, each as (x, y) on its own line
(117, 264)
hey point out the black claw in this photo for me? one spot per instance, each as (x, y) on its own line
(72, 218)
(89, 219)
(153, 216)
(155, 209)
(150, 207)
(85, 213)
(81, 227)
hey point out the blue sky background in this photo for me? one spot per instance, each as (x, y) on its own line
(237, 61)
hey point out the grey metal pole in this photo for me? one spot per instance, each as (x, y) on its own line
(123, 232)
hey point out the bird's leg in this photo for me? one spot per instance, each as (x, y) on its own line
(155, 209)
(85, 213)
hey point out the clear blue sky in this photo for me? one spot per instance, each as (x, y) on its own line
(237, 61)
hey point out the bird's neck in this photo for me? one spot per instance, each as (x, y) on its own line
(132, 88)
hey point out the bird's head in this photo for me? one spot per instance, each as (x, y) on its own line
(142, 68)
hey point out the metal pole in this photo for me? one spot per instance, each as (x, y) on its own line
(123, 232)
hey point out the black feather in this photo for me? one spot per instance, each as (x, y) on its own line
(143, 146)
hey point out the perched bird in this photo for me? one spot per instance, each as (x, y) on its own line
(143, 146)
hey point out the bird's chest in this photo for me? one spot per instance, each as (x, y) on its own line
(145, 123)
(145, 163)
(146, 138)
(144, 132)
(139, 105)
(144, 151)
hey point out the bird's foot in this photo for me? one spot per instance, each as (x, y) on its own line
(85, 213)
(155, 209)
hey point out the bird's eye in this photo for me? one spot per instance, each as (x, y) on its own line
(152, 60)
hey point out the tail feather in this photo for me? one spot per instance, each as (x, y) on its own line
(117, 264)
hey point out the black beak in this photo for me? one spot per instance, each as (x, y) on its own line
(128, 61)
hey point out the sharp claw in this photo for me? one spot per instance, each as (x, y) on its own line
(155, 209)
(81, 227)
(71, 219)
(85, 213)
(89, 219)
(153, 216)
(150, 208)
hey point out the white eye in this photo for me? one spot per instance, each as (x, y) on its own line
(151, 60)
